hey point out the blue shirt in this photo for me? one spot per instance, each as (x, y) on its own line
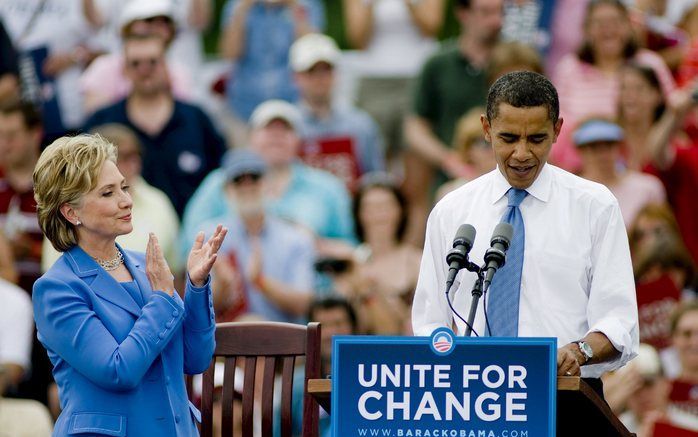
(178, 158)
(313, 198)
(288, 256)
(262, 72)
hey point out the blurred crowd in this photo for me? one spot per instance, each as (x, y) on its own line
(321, 132)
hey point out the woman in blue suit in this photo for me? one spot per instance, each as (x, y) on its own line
(119, 336)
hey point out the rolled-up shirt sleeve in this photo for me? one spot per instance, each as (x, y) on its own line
(612, 307)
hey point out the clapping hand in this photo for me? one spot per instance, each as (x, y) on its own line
(203, 256)
(156, 268)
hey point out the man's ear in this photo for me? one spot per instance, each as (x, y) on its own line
(69, 213)
(486, 128)
(557, 128)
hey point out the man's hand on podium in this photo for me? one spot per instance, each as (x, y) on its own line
(569, 360)
(570, 357)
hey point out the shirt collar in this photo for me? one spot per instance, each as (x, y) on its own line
(540, 189)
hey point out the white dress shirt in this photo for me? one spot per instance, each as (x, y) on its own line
(577, 276)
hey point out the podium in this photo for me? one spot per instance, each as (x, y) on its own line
(580, 411)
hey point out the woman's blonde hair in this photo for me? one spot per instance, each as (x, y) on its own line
(67, 170)
(468, 131)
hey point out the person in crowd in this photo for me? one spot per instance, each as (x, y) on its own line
(18, 417)
(684, 331)
(475, 152)
(54, 44)
(588, 81)
(338, 138)
(152, 210)
(179, 142)
(575, 286)
(9, 68)
(256, 37)
(393, 39)
(274, 258)
(310, 197)
(641, 105)
(451, 82)
(21, 130)
(387, 265)
(512, 56)
(20, 139)
(652, 222)
(116, 330)
(336, 317)
(16, 331)
(677, 165)
(640, 393)
(665, 277)
(684, 334)
(660, 26)
(190, 17)
(599, 142)
(106, 81)
(565, 31)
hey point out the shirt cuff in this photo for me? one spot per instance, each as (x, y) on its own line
(195, 289)
(622, 340)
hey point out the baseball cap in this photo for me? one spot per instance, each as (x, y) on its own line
(273, 110)
(593, 131)
(312, 48)
(240, 162)
(143, 9)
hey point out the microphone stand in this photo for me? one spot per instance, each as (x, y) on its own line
(477, 294)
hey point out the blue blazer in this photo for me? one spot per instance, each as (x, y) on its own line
(119, 367)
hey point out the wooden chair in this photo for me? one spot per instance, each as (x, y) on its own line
(279, 344)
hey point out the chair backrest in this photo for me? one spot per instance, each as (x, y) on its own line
(279, 344)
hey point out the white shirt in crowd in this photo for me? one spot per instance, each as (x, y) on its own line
(577, 276)
(16, 325)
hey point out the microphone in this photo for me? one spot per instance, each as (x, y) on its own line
(457, 258)
(495, 256)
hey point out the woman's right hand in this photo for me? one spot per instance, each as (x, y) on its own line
(156, 268)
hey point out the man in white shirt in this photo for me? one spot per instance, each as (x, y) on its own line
(576, 280)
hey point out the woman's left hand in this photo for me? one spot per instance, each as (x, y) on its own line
(202, 256)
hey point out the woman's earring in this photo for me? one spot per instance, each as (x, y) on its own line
(78, 223)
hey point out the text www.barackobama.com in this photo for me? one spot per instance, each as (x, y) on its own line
(382, 432)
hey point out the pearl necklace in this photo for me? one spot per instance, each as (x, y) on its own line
(111, 264)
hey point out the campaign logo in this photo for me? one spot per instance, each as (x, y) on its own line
(442, 341)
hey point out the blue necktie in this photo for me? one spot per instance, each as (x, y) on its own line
(504, 292)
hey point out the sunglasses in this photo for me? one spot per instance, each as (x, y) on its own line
(252, 177)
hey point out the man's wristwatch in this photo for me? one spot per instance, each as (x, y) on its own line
(586, 350)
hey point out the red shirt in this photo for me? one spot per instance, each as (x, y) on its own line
(681, 183)
(20, 225)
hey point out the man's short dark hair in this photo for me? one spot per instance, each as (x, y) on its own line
(523, 89)
(331, 302)
(30, 114)
(463, 4)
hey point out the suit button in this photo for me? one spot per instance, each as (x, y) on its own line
(177, 418)
(167, 380)
(175, 313)
(161, 335)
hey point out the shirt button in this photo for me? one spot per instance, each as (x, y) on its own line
(168, 325)
(175, 313)
(177, 418)
(161, 335)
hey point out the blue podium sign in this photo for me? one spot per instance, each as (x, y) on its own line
(443, 386)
